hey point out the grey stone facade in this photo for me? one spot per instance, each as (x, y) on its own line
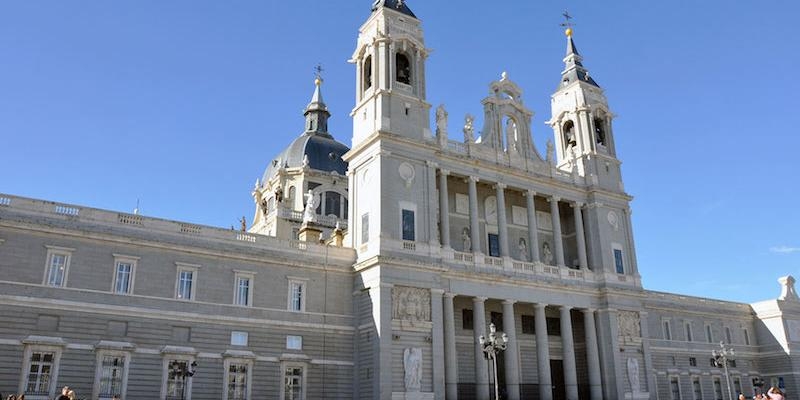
(383, 290)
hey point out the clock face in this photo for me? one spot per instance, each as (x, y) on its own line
(491, 210)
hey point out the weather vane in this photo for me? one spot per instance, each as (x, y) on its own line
(567, 22)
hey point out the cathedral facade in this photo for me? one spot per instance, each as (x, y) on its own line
(407, 265)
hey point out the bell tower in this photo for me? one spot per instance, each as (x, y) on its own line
(582, 124)
(390, 74)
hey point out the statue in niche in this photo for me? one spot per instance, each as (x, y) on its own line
(629, 323)
(550, 152)
(633, 375)
(311, 207)
(469, 130)
(548, 254)
(264, 207)
(279, 194)
(466, 241)
(411, 304)
(441, 120)
(522, 248)
(412, 363)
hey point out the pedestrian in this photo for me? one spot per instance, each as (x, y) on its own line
(71, 395)
(775, 394)
(64, 393)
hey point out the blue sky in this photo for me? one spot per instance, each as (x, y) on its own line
(182, 104)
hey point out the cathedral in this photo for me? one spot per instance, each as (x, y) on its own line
(404, 265)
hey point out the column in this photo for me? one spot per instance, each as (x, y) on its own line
(474, 226)
(437, 343)
(512, 351)
(557, 239)
(533, 232)
(450, 355)
(567, 342)
(579, 234)
(381, 296)
(481, 365)
(433, 236)
(592, 356)
(543, 353)
(444, 209)
(502, 222)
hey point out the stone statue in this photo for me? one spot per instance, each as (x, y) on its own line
(264, 205)
(441, 121)
(466, 241)
(633, 375)
(469, 130)
(787, 289)
(412, 363)
(550, 152)
(305, 161)
(311, 207)
(548, 254)
(244, 224)
(522, 247)
(279, 194)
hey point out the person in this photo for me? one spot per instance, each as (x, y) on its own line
(741, 396)
(71, 395)
(64, 393)
(775, 394)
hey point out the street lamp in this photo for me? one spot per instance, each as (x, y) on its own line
(721, 360)
(180, 369)
(491, 347)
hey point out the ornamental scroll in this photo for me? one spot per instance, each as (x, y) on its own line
(411, 304)
(629, 324)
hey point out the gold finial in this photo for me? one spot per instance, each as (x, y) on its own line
(567, 23)
(318, 74)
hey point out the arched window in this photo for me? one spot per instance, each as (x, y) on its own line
(333, 204)
(600, 131)
(290, 197)
(368, 72)
(402, 68)
(569, 135)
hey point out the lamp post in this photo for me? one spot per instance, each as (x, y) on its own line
(721, 360)
(491, 347)
(180, 369)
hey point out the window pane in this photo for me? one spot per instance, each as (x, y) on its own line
(55, 276)
(408, 225)
(494, 245)
(618, 261)
(237, 382)
(185, 285)
(293, 379)
(333, 204)
(123, 278)
(243, 291)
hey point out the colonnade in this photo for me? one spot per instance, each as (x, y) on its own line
(502, 221)
(512, 360)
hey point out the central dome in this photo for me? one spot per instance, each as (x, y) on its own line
(321, 150)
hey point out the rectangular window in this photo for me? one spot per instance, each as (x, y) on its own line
(688, 332)
(618, 262)
(408, 225)
(674, 388)
(528, 324)
(709, 335)
(297, 295)
(553, 326)
(177, 387)
(697, 389)
(293, 383)
(124, 273)
(40, 372)
(466, 319)
(494, 245)
(186, 282)
(746, 337)
(294, 342)
(497, 319)
(57, 267)
(728, 335)
(717, 389)
(667, 331)
(112, 371)
(333, 204)
(243, 289)
(692, 361)
(239, 338)
(365, 228)
(237, 381)
(732, 363)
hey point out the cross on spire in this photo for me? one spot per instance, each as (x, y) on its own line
(318, 71)
(567, 20)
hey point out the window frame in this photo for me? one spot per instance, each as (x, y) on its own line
(304, 384)
(240, 334)
(303, 284)
(185, 267)
(689, 333)
(666, 329)
(404, 206)
(697, 384)
(53, 251)
(237, 276)
(38, 345)
(677, 380)
(124, 259)
(294, 337)
(170, 355)
(98, 372)
(249, 375)
(709, 333)
(616, 247)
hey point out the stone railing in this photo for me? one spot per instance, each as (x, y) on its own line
(506, 265)
(20, 208)
(324, 220)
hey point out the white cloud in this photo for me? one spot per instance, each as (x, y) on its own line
(784, 249)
